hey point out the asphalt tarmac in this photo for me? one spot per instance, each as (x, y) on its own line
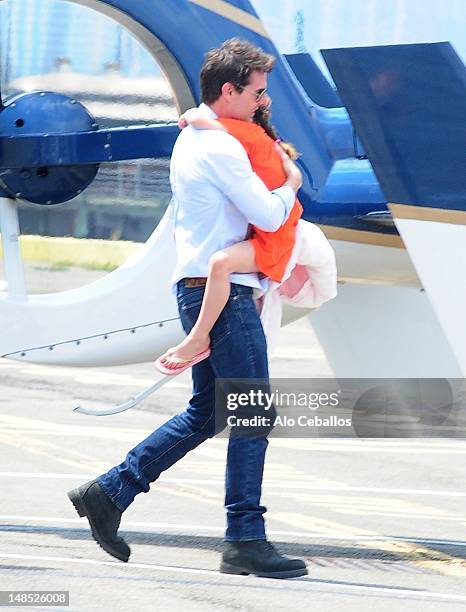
(381, 523)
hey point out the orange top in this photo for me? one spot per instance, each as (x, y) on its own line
(273, 249)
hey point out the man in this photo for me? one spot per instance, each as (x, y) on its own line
(216, 196)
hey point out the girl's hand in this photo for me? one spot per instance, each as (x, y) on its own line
(182, 123)
(189, 117)
(289, 150)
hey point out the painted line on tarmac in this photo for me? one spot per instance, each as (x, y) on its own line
(13, 425)
(88, 376)
(376, 443)
(194, 529)
(360, 447)
(276, 484)
(391, 591)
(422, 555)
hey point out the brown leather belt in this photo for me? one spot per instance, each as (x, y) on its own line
(197, 281)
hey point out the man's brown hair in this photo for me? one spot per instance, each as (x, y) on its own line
(232, 62)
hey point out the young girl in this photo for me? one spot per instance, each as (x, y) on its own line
(265, 252)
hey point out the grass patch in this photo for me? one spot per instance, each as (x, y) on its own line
(61, 253)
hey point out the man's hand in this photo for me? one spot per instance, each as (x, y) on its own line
(294, 177)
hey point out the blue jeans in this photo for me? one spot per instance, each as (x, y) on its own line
(239, 350)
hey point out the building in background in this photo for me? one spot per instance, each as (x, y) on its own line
(37, 33)
(359, 23)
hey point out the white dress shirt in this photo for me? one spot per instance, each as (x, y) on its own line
(216, 196)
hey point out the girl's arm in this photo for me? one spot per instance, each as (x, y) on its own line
(196, 118)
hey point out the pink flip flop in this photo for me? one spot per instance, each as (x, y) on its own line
(184, 364)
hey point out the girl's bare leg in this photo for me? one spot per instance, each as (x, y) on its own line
(238, 258)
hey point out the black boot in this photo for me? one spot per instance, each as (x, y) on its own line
(103, 516)
(259, 557)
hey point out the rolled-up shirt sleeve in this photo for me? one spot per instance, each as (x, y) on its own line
(232, 173)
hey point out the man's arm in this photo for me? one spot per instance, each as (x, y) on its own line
(229, 164)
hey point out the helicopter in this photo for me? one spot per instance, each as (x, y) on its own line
(382, 159)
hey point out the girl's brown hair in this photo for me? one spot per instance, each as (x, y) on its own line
(262, 118)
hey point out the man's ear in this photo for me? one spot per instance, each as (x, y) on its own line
(227, 90)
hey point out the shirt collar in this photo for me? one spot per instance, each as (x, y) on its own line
(206, 108)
